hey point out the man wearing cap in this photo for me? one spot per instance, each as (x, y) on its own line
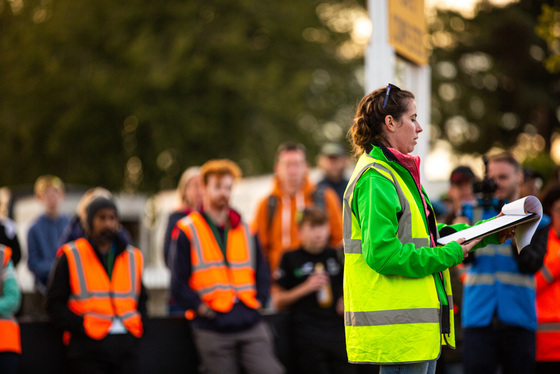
(96, 295)
(333, 161)
(460, 193)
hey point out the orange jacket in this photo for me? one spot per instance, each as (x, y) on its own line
(100, 299)
(218, 284)
(548, 300)
(282, 235)
(10, 340)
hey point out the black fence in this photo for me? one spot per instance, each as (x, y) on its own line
(167, 347)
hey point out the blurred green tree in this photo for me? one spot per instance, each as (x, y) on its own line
(548, 28)
(490, 87)
(127, 94)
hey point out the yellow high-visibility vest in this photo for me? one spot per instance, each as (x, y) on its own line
(390, 318)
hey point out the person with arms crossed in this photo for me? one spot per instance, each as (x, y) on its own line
(219, 276)
(397, 291)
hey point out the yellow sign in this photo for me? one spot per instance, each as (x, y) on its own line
(407, 27)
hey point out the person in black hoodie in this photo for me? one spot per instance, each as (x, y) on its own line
(90, 296)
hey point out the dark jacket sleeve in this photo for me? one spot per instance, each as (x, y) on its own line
(531, 258)
(173, 218)
(12, 242)
(58, 293)
(143, 301)
(181, 270)
(262, 275)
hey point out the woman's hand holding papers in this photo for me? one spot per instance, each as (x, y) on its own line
(506, 234)
(467, 246)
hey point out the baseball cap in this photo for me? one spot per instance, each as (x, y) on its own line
(333, 150)
(462, 174)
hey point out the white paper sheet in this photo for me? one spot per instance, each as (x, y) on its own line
(512, 212)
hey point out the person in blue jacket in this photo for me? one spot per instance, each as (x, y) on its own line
(499, 315)
(43, 236)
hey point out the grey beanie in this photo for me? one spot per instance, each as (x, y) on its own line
(95, 205)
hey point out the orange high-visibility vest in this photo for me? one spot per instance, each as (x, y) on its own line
(10, 340)
(218, 284)
(100, 299)
(548, 298)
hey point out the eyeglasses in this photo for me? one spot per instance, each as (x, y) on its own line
(387, 90)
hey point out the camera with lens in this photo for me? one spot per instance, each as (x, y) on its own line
(487, 205)
(486, 189)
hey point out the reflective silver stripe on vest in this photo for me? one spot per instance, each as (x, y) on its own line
(479, 279)
(198, 248)
(132, 264)
(81, 276)
(546, 274)
(550, 327)
(347, 210)
(505, 278)
(99, 315)
(405, 221)
(246, 287)
(353, 246)
(516, 279)
(391, 317)
(128, 315)
(207, 290)
(492, 250)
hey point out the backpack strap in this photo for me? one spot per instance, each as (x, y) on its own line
(272, 203)
(318, 197)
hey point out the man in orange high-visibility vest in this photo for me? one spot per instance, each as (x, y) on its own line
(96, 295)
(220, 277)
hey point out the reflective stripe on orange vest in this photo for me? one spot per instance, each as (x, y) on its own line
(100, 299)
(216, 283)
(10, 340)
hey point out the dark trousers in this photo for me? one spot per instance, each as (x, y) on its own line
(321, 351)
(225, 353)
(548, 367)
(9, 362)
(114, 354)
(511, 348)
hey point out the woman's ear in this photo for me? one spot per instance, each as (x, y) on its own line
(390, 123)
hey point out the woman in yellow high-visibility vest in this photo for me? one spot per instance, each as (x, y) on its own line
(397, 290)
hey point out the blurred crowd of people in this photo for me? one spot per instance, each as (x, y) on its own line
(226, 269)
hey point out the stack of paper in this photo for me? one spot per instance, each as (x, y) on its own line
(523, 214)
